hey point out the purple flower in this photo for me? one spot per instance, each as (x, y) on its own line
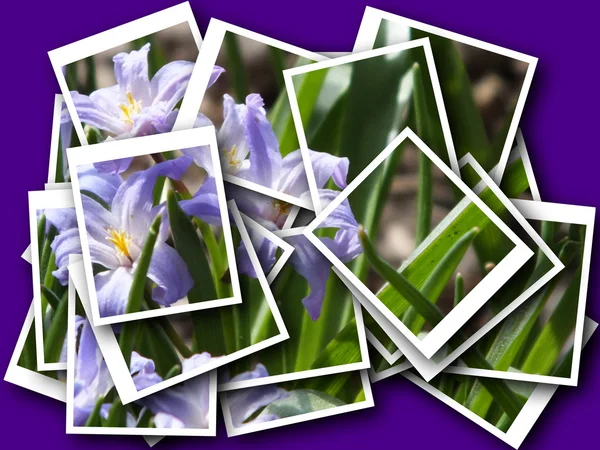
(92, 379)
(243, 403)
(136, 105)
(186, 405)
(116, 238)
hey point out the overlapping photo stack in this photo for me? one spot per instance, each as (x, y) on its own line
(229, 218)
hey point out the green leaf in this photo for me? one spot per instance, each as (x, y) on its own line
(468, 130)
(41, 231)
(127, 339)
(301, 401)
(94, 419)
(157, 346)
(546, 350)
(27, 359)
(188, 245)
(117, 414)
(55, 337)
(136, 294)
(278, 63)
(50, 297)
(307, 87)
(440, 277)
(459, 288)
(236, 69)
(327, 136)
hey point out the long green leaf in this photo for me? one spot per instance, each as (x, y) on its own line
(136, 294)
(55, 337)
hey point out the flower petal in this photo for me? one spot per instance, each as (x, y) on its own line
(62, 218)
(214, 76)
(205, 203)
(315, 268)
(170, 274)
(104, 185)
(132, 204)
(243, 403)
(265, 250)
(112, 291)
(131, 71)
(100, 110)
(170, 82)
(265, 159)
(113, 167)
(65, 244)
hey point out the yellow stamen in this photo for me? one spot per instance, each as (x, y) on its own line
(282, 207)
(231, 157)
(121, 241)
(130, 108)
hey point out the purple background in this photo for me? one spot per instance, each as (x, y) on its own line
(559, 122)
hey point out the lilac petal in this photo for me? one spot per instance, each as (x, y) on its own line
(292, 179)
(113, 167)
(163, 420)
(265, 159)
(133, 202)
(245, 402)
(62, 218)
(214, 76)
(346, 244)
(232, 134)
(112, 291)
(326, 166)
(265, 250)
(103, 185)
(97, 219)
(189, 402)
(205, 204)
(260, 371)
(65, 244)
(100, 110)
(170, 82)
(259, 207)
(201, 155)
(170, 274)
(315, 268)
(195, 361)
(87, 364)
(143, 371)
(164, 124)
(131, 71)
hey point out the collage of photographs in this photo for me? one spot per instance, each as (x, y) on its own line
(233, 222)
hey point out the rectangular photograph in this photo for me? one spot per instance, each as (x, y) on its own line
(128, 81)
(94, 406)
(322, 317)
(506, 409)
(546, 332)
(22, 369)
(51, 222)
(237, 86)
(275, 405)
(484, 86)
(159, 242)
(173, 343)
(524, 285)
(401, 272)
(382, 92)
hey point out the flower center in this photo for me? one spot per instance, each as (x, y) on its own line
(231, 156)
(130, 108)
(282, 207)
(121, 240)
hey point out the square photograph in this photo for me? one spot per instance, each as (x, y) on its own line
(442, 241)
(160, 243)
(484, 86)
(128, 81)
(238, 87)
